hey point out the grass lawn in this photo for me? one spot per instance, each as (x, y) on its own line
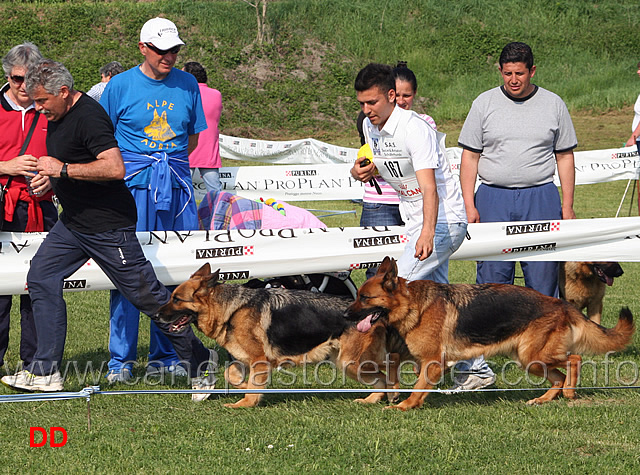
(484, 432)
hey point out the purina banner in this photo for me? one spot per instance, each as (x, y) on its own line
(288, 182)
(603, 239)
(244, 254)
(310, 170)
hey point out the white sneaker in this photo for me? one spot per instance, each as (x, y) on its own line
(121, 376)
(207, 378)
(27, 381)
(472, 382)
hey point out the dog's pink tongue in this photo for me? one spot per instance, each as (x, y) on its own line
(609, 280)
(364, 325)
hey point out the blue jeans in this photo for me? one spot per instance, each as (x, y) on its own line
(447, 239)
(379, 214)
(211, 178)
(62, 253)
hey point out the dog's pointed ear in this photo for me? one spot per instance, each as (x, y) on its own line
(390, 277)
(213, 279)
(386, 265)
(204, 271)
(205, 275)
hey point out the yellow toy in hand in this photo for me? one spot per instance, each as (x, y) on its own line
(366, 152)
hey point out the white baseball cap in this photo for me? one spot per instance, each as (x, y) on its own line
(161, 33)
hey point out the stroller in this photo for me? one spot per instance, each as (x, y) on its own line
(222, 210)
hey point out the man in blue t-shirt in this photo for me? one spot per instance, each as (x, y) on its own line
(157, 114)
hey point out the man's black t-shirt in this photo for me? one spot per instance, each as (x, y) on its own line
(88, 206)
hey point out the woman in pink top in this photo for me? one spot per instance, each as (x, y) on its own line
(206, 156)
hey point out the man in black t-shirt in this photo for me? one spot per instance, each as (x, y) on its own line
(98, 221)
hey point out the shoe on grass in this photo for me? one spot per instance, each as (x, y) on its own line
(177, 370)
(206, 379)
(27, 381)
(472, 382)
(121, 376)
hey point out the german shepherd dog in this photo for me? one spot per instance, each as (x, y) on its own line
(267, 328)
(443, 323)
(584, 283)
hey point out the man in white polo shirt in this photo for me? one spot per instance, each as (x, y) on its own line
(407, 155)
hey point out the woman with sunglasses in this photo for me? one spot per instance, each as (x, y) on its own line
(27, 204)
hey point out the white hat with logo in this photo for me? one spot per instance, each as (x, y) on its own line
(161, 33)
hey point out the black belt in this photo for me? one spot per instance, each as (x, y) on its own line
(516, 187)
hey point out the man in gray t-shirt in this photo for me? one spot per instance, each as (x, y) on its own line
(513, 138)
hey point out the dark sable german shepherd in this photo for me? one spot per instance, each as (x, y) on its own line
(584, 283)
(267, 328)
(443, 323)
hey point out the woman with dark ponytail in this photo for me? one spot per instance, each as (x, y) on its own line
(406, 89)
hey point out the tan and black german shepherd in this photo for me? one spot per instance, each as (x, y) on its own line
(267, 328)
(442, 324)
(584, 283)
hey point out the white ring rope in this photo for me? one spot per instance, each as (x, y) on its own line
(91, 390)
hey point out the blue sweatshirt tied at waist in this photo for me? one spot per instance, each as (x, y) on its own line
(159, 174)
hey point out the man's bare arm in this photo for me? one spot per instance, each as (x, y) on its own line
(193, 143)
(108, 166)
(567, 175)
(468, 178)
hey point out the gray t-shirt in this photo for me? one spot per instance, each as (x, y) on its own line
(517, 139)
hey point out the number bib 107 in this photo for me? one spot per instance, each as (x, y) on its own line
(399, 173)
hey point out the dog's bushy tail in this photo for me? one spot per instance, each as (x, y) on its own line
(595, 339)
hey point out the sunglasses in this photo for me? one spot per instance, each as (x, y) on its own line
(162, 52)
(17, 79)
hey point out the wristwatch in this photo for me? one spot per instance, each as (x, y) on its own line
(63, 172)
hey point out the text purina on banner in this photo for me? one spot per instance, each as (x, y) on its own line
(244, 254)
